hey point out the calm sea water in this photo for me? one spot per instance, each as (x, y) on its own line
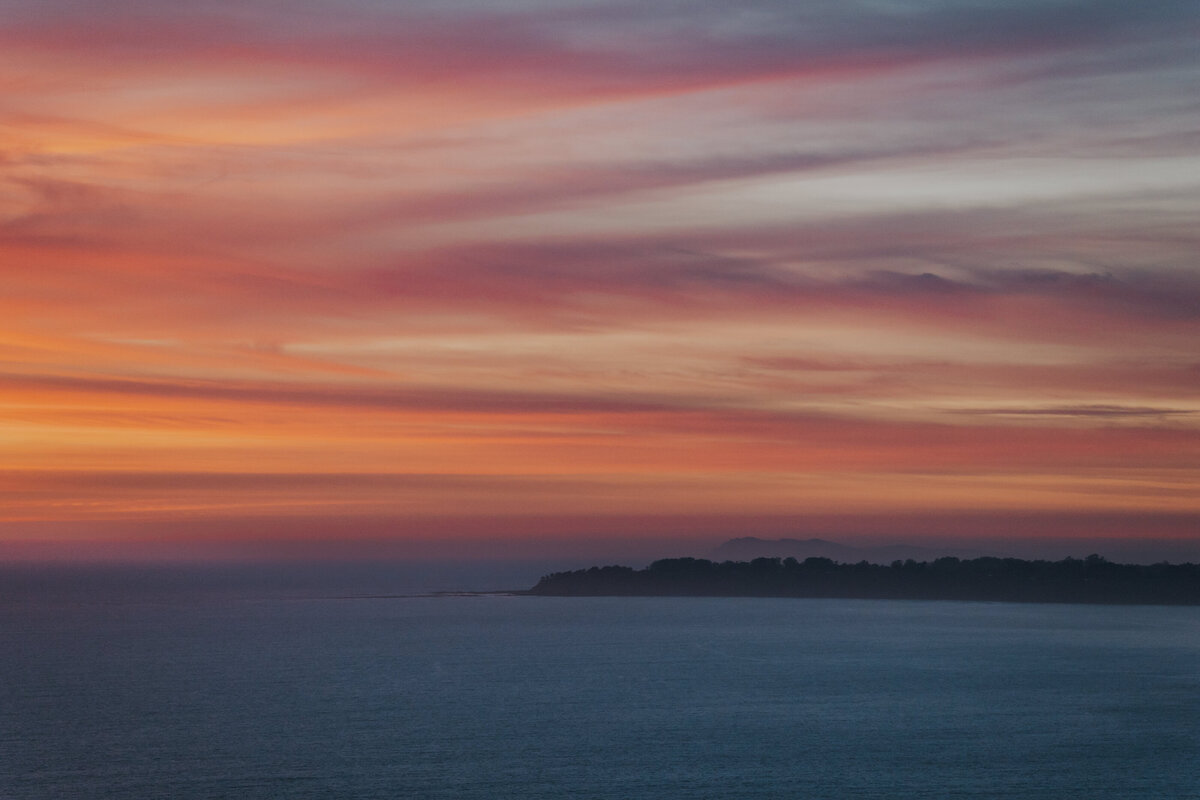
(206, 689)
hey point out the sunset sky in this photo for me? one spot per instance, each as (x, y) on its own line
(458, 277)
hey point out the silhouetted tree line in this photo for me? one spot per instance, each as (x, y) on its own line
(1090, 580)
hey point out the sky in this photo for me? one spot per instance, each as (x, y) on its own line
(458, 278)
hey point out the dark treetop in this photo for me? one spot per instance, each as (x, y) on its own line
(1090, 580)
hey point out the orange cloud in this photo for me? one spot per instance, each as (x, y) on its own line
(435, 266)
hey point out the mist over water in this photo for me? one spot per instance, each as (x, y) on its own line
(283, 684)
(260, 580)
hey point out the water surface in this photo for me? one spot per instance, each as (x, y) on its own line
(207, 694)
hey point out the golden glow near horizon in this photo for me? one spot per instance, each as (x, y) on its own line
(413, 263)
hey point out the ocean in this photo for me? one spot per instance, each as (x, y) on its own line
(293, 683)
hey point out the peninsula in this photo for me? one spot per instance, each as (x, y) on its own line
(1090, 580)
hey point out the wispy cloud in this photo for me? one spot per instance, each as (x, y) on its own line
(555, 258)
(1079, 411)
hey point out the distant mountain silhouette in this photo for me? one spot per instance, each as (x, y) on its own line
(748, 548)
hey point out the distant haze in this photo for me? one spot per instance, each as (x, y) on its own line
(1131, 551)
(750, 547)
(568, 543)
